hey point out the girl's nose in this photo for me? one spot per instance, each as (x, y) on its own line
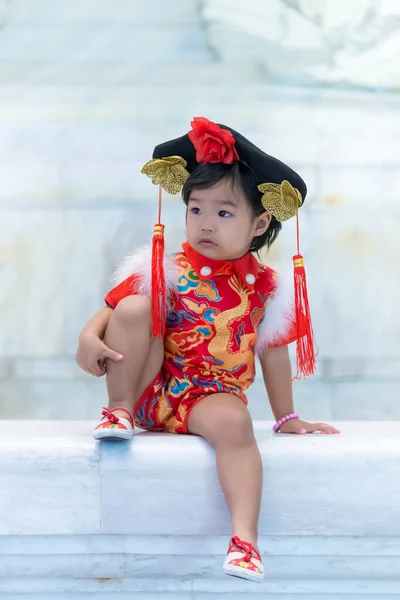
(207, 227)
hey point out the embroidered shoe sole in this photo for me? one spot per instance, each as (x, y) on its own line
(235, 571)
(112, 434)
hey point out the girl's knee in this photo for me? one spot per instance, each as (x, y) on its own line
(133, 309)
(236, 428)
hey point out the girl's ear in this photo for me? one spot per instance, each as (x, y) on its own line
(263, 222)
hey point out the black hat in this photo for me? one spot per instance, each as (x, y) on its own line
(282, 189)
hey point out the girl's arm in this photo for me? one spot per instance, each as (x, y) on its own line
(92, 352)
(97, 325)
(277, 373)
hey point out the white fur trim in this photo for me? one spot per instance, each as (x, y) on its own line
(279, 312)
(138, 263)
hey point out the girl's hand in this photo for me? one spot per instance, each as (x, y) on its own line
(302, 427)
(91, 354)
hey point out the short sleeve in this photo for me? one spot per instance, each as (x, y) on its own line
(127, 287)
(288, 337)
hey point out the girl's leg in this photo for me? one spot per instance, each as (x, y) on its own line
(129, 331)
(224, 421)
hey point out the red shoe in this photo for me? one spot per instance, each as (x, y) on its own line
(112, 427)
(243, 560)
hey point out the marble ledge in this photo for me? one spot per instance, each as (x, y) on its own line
(106, 565)
(68, 446)
(67, 484)
(198, 587)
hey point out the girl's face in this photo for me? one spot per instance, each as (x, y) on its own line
(220, 223)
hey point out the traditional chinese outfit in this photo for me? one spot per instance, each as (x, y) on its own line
(220, 313)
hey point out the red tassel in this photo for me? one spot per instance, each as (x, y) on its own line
(158, 287)
(306, 351)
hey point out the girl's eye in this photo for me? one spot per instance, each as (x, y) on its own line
(224, 213)
(195, 210)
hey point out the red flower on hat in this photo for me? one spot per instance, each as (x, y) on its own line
(212, 143)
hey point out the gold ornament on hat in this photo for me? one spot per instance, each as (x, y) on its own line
(169, 172)
(281, 199)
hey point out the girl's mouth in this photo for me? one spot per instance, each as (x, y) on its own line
(207, 242)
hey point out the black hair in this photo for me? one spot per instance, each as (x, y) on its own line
(207, 175)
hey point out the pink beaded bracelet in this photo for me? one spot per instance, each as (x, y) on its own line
(287, 418)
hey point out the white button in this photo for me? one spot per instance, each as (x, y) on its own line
(205, 271)
(250, 278)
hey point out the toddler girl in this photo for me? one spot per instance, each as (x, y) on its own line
(222, 305)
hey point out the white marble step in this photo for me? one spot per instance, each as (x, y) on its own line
(81, 519)
(298, 557)
(200, 596)
(66, 483)
(190, 588)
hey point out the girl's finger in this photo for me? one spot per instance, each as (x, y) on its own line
(325, 428)
(96, 370)
(328, 429)
(108, 353)
(333, 430)
(315, 427)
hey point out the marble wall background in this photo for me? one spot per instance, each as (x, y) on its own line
(88, 88)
